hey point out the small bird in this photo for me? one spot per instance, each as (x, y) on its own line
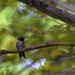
(20, 45)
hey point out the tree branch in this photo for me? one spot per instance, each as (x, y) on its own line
(63, 5)
(68, 71)
(37, 47)
(68, 58)
(48, 9)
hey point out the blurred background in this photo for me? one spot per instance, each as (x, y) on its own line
(18, 19)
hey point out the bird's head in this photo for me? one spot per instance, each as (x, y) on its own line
(22, 38)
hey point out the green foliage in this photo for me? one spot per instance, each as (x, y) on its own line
(18, 19)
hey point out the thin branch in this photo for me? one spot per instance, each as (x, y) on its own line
(68, 58)
(1, 58)
(67, 71)
(1, 8)
(37, 47)
(24, 68)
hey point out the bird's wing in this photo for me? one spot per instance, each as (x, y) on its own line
(20, 45)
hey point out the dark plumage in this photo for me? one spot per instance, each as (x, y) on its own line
(20, 45)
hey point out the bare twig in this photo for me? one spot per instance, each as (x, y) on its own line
(67, 71)
(68, 58)
(1, 58)
(24, 68)
(2, 7)
(37, 47)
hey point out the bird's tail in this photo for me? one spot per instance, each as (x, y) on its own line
(21, 54)
(24, 54)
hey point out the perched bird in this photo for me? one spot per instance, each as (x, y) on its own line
(20, 45)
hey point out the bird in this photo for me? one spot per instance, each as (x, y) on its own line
(20, 45)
